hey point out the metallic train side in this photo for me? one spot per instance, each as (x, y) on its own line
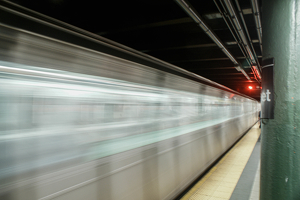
(80, 124)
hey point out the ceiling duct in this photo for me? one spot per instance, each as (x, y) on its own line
(242, 35)
(192, 13)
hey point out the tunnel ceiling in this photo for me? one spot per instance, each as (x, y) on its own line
(162, 29)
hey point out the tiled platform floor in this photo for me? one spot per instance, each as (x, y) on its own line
(223, 180)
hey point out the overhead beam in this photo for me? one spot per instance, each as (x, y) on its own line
(181, 47)
(227, 77)
(256, 14)
(150, 25)
(229, 43)
(206, 59)
(193, 14)
(223, 74)
(234, 19)
(248, 35)
(206, 68)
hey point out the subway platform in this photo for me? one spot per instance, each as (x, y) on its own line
(237, 174)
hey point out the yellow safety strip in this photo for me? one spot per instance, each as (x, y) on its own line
(220, 181)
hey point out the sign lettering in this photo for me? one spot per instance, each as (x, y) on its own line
(267, 92)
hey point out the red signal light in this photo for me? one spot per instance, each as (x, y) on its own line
(250, 87)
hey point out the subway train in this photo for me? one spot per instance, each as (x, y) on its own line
(76, 123)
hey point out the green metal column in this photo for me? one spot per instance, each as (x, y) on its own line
(280, 152)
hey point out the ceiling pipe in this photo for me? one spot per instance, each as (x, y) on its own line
(256, 14)
(241, 33)
(189, 10)
(247, 32)
(236, 35)
(231, 30)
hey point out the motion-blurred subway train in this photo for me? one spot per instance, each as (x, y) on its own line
(81, 123)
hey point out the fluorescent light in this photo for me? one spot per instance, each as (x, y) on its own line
(213, 16)
(247, 11)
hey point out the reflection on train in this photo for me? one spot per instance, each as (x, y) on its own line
(68, 134)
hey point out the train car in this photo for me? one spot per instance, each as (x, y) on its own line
(76, 123)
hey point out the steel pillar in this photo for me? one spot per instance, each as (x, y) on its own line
(280, 150)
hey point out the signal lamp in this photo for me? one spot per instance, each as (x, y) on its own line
(250, 87)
